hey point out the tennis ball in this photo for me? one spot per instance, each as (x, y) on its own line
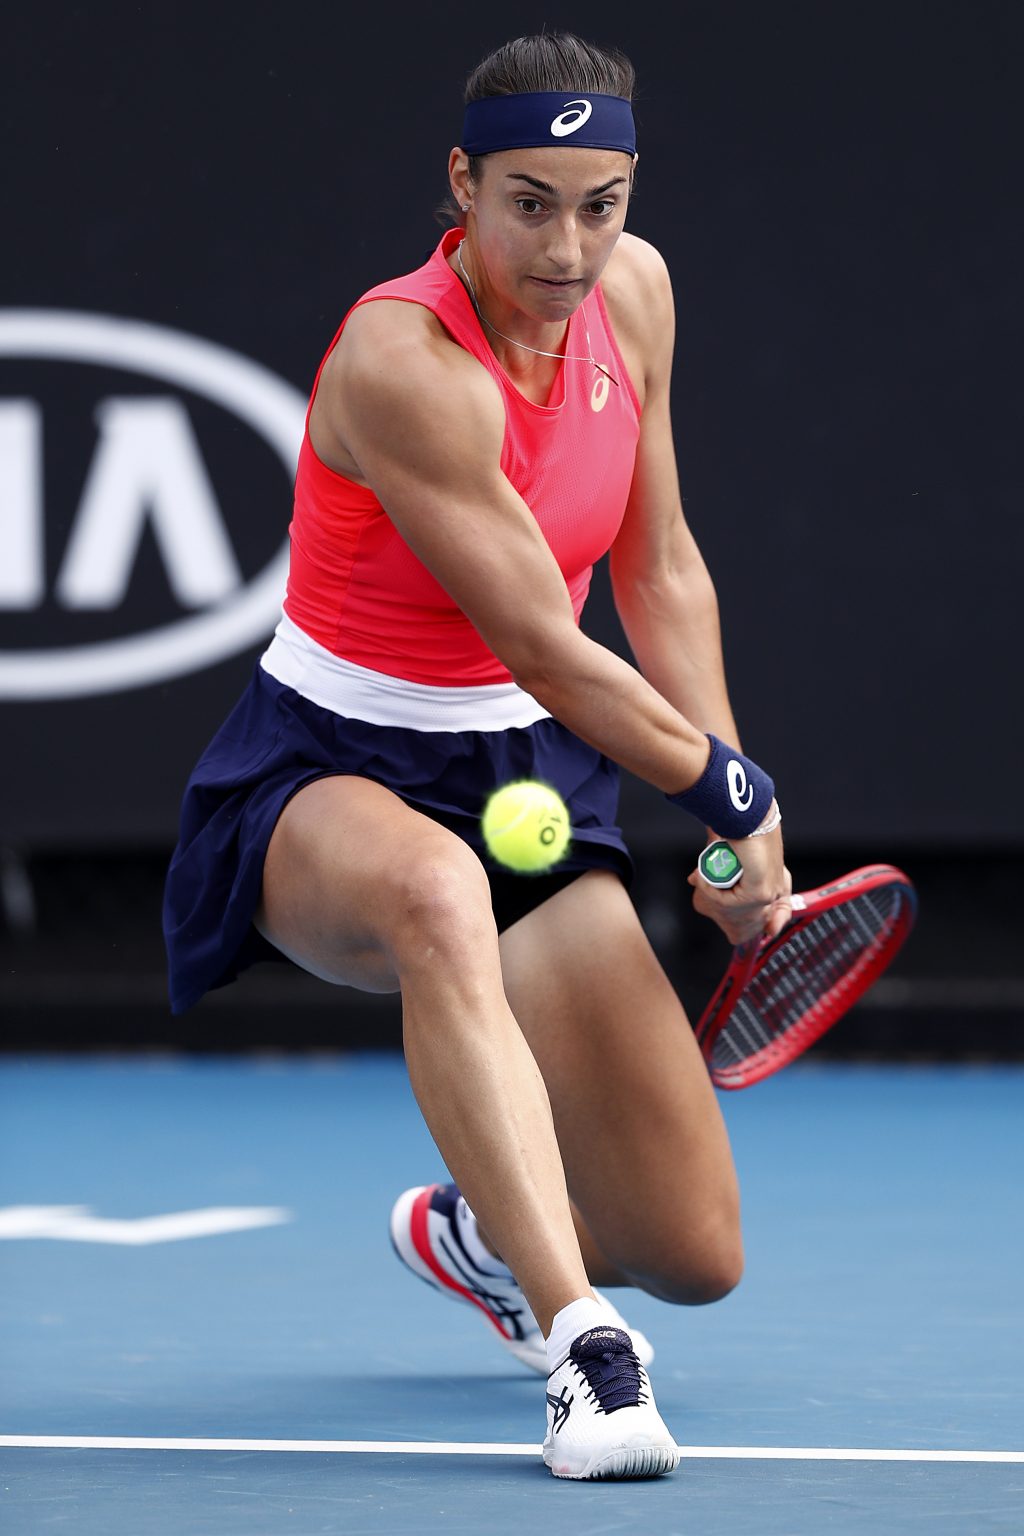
(526, 826)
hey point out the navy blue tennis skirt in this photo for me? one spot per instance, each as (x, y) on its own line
(275, 741)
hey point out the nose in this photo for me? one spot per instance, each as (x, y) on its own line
(563, 249)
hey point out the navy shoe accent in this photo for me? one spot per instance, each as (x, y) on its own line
(425, 1234)
(607, 1359)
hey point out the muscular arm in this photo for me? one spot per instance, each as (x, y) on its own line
(663, 593)
(419, 420)
(425, 424)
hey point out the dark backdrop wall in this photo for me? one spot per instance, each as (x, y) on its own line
(836, 192)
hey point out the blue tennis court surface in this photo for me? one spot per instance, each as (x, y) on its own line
(196, 1250)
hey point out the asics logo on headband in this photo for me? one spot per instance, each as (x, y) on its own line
(530, 118)
(736, 779)
(574, 115)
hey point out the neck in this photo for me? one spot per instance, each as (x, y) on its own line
(546, 340)
(558, 352)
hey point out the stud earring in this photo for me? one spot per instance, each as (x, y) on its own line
(466, 207)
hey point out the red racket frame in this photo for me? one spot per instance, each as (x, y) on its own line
(821, 1012)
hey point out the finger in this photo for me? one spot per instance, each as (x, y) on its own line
(780, 915)
(743, 927)
(724, 918)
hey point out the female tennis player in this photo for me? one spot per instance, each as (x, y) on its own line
(480, 432)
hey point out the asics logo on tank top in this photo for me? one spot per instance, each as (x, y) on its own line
(741, 791)
(599, 393)
(571, 118)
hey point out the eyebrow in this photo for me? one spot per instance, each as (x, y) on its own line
(545, 186)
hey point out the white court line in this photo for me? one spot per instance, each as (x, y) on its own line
(484, 1448)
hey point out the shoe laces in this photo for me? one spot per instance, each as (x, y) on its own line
(606, 1359)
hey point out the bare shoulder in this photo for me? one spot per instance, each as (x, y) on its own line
(394, 371)
(638, 292)
(636, 281)
(398, 348)
(638, 258)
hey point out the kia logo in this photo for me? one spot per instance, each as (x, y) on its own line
(146, 472)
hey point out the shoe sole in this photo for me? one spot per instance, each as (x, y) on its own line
(622, 1462)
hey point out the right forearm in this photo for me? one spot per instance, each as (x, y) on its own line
(607, 703)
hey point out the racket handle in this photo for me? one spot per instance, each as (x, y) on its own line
(719, 865)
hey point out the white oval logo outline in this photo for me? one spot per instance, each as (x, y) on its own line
(560, 128)
(736, 778)
(273, 408)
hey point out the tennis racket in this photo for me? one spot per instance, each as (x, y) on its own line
(780, 995)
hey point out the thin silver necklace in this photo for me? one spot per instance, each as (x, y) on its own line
(561, 356)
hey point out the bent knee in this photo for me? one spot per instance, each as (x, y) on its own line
(439, 902)
(697, 1273)
(712, 1280)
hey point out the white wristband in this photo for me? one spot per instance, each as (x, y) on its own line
(770, 822)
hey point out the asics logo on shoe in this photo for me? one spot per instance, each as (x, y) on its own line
(426, 1232)
(597, 1333)
(560, 1408)
(605, 1358)
(496, 1304)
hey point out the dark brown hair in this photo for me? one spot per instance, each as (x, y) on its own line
(551, 61)
(545, 61)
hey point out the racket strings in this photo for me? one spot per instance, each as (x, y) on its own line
(809, 971)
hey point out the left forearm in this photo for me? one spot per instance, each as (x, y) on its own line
(672, 626)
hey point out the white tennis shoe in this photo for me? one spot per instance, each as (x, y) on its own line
(425, 1235)
(602, 1418)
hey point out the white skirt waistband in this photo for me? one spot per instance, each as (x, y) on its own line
(345, 688)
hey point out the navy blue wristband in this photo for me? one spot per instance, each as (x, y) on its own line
(732, 796)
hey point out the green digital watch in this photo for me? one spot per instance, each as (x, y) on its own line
(720, 865)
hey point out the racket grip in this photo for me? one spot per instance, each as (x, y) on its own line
(719, 865)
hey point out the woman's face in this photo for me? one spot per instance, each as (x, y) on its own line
(543, 224)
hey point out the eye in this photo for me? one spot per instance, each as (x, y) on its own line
(529, 205)
(603, 207)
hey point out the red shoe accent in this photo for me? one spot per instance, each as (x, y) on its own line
(421, 1242)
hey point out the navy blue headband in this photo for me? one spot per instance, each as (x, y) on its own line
(536, 118)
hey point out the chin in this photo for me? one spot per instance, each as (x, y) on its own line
(548, 304)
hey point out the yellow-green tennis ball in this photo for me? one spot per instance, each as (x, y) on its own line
(526, 826)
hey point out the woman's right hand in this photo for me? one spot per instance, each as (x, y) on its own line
(759, 905)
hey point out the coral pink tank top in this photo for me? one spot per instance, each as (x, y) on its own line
(354, 585)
